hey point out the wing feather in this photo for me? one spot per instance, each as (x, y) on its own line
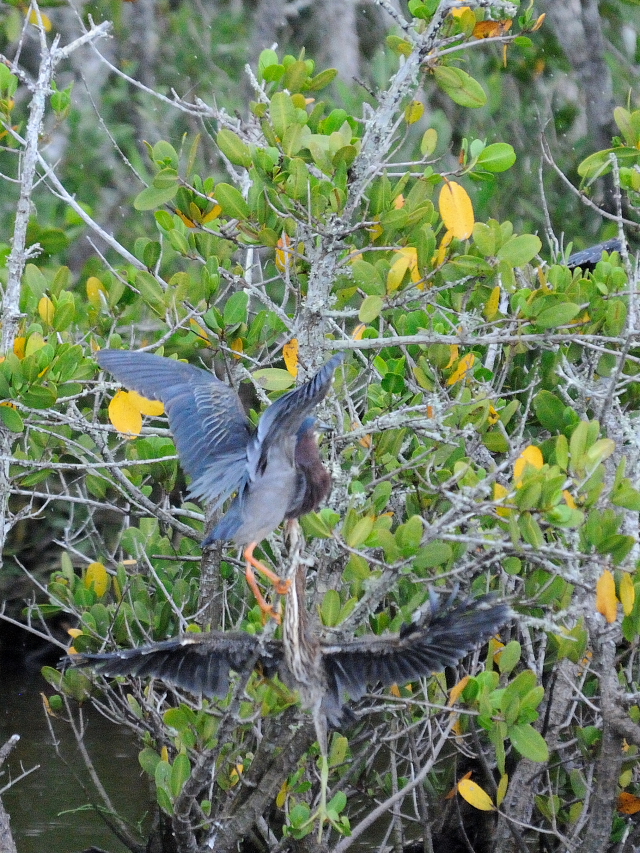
(419, 650)
(199, 663)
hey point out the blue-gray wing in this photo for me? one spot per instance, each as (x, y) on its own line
(419, 650)
(286, 415)
(209, 426)
(199, 663)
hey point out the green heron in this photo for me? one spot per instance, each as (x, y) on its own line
(322, 671)
(275, 469)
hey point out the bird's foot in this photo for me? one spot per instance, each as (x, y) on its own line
(281, 586)
(268, 609)
(269, 612)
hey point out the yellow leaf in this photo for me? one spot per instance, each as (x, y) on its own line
(454, 790)
(606, 600)
(96, 291)
(237, 346)
(376, 230)
(395, 691)
(628, 803)
(19, 347)
(489, 29)
(441, 254)
(236, 772)
(35, 342)
(34, 19)
(454, 352)
(358, 332)
(627, 593)
(188, 222)
(456, 210)
(46, 705)
(153, 408)
(464, 365)
(284, 252)
(290, 355)
(493, 303)
(500, 492)
(502, 789)
(495, 649)
(199, 330)
(398, 202)
(539, 22)
(405, 259)
(413, 112)
(456, 690)
(164, 754)
(475, 796)
(569, 499)
(531, 455)
(74, 632)
(97, 578)
(281, 799)
(214, 213)
(493, 416)
(125, 417)
(46, 310)
(460, 11)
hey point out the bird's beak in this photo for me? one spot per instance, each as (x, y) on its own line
(320, 426)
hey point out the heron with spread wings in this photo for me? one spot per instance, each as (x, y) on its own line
(323, 672)
(275, 470)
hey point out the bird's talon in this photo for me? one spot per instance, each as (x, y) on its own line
(269, 612)
(282, 587)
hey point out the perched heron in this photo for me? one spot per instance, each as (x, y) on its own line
(322, 671)
(276, 469)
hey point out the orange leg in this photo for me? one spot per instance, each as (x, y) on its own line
(282, 587)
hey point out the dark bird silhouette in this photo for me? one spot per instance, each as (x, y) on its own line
(588, 258)
(275, 469)
(323, 672)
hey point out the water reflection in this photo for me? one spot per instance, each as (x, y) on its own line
(42, 805)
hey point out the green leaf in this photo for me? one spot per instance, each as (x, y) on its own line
(509, 657)
(153, 197)
(321, 80)
(436, 553)
(148, 759)
(165, 154)
(330, 608)
(180, 772)
(360, 531)
(274, 379)
(151, 291)
(519, 250)
(370, 309)
(11, 419)
(529, 743)
(231, 201)
(283, 113)
(233, 148)
(409, 536)
(236, 308)
(497, 157)
(549, 410)
(557, 315)
(460, 86)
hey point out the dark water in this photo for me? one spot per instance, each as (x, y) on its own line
(44, 806)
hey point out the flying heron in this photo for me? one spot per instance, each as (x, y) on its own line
(275, 469)
(322, 671)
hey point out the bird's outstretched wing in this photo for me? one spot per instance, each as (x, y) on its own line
(208, 423)
(419, 650)
(284, 417)
(199, 663)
